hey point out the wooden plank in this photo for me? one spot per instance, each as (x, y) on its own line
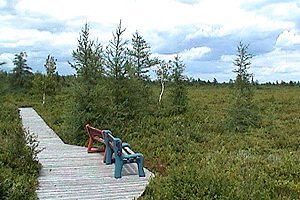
(69, 172)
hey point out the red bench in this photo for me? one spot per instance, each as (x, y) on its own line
(95, 135)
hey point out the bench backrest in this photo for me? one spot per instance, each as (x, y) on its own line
(93, 131)
(114, 143)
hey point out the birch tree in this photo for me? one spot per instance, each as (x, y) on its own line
(163, 74)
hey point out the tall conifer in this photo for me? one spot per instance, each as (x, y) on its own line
(243, 113)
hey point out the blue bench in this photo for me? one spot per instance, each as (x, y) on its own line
(122, 154)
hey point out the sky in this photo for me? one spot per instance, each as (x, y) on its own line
(204, 33)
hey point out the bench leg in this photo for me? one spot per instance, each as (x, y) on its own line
(140, 164)
(118, 169)
(108, 156)
(91, 149)
(90, 144)
(104, 158)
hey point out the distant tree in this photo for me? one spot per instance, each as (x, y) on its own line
(21, 71)
(283, 83)
(179, 97)
(50, 79)
(243, 113)
(50, 66)
(3, 80)
(215, 82)
(163, 74)
(140, 56)
(46, 84)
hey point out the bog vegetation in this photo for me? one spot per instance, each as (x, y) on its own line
(18, 150)
(203, 140)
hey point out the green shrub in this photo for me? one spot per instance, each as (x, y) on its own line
(18, 150)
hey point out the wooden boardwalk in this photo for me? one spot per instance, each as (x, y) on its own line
(69, 172)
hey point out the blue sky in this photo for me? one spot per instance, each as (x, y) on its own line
(203, 32)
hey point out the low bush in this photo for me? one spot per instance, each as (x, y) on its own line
(18, 164)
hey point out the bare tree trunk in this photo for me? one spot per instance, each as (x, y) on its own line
(44, 98)
(162, 90)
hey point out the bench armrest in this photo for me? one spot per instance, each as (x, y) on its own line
(133, 155)
(126, 145)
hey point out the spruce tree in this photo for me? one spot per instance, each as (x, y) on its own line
(21, 71)
(140, 56)
(87, 97)
(88, 57)
(126, 72)
(178, 94)
(117, 55)
(117, 65)
(243, 113)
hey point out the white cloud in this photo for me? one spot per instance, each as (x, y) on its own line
(194, 53)
(228, 58)
(230, 19)
(3, 3)
(7, 58)
(152, 15)
(209, 18)
(281, 10)
(165, 57)
(14, 37)
(204, 30)
(275, 64)
(288, 38)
